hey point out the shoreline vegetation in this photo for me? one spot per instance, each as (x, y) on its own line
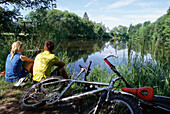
(138, 74)
(137, 71)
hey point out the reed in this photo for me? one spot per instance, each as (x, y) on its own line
(139, 73)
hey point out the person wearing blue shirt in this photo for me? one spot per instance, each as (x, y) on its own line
(13, 66)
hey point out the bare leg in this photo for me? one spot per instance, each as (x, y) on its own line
(29, 67)
(63, 71)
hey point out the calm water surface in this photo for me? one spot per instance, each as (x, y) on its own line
(82, 51)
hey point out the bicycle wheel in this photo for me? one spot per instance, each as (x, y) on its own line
(53, 89)
(35, 97)
(31, 98)
(119, 104)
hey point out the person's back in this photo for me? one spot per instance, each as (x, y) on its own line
(44, 61)
(42, 65)
(13, 66)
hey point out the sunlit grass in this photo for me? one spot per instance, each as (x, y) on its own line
(139, 74)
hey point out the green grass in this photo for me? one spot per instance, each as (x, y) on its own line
(138, 74)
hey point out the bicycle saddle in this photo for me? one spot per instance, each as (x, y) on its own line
(145, 93)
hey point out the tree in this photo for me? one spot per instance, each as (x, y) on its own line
(60, 24)
(28, 3)
(131, 31)
(8, 14)
(99, 30)
(6, 17)
(146, 23)
(86, 16)
(166, 26)
(122, 31)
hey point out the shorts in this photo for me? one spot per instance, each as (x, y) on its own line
(24, 73)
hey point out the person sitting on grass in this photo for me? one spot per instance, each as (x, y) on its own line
(13, 66)
(44, 62)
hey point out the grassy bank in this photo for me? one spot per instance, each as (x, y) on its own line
(139, 73)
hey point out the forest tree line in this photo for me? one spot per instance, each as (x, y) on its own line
(58, 24)
(61, 24)
(158, 29)
(53, 23)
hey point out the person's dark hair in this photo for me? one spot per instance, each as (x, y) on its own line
(49, 45)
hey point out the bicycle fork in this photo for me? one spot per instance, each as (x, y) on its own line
(105, 96)
(100, 102)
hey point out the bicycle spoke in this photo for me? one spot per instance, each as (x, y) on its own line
(115, 107)
(33, 96)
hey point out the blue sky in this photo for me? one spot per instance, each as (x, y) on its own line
(115, 12)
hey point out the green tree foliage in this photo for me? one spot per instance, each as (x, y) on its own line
(120, 31)
(54, 23)
(28, 3)
(114, 32)
(8, 14)
(86, 16)
(146, 23)
(58, 24)
(131, 31)
(6, 20)
(158, 29)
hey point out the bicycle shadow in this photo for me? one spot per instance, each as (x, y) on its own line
(13, 108)
(9, 104)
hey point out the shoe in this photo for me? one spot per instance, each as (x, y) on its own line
(22, 81)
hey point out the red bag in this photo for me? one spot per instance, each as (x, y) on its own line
(145, 93)
(2, 73)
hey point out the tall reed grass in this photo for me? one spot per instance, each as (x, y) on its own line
(139, 73)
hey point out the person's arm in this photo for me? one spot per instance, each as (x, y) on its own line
(60, 64)
(24, 58)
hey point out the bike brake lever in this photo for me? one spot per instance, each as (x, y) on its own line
(110, 56)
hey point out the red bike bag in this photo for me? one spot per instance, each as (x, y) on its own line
(145, 93)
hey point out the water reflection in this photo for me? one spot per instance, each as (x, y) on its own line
(82, 51)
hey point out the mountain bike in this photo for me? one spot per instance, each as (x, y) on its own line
(128, 100)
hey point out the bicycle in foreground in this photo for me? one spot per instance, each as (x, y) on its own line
(125, 101)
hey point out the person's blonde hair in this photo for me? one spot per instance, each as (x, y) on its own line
(16, 46)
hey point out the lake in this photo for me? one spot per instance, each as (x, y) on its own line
(81, 51)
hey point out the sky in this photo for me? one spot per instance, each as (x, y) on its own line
(113, 13)
(117, 12)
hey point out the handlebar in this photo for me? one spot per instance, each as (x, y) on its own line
(115, 70)
(88, 68)
(85, 69)
(110, 56)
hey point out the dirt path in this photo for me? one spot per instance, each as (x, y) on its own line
(12, 107)
(9, 104)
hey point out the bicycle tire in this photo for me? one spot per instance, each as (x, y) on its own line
(35, 97)
(90, 109)
(118, 104)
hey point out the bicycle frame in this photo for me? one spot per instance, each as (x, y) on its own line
(108, 93)
(89, 93)
(71, 82)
